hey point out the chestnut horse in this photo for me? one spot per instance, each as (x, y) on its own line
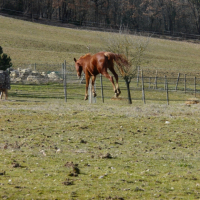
(92, 65)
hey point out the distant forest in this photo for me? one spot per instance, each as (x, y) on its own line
(170, 16)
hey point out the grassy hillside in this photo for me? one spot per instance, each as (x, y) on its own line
(28, 42)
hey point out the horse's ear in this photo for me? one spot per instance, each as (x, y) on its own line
(74, 59)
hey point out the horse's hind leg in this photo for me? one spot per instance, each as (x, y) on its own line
(117, 90)
(111, 80)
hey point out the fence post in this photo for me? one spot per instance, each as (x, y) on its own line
(149, 82)
(165, 83)
(167, 92)
(90, 91)
(138, 75)
(95, 91)
(101, 82)
(64, 80)
(177, 81)
(35, 67)
(185, 83)
(195, 86)
(156, 80)
(143, 93)
(62, 70)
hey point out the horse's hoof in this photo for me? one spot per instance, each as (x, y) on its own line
(118, 92)
(94, 94)
(86, 98)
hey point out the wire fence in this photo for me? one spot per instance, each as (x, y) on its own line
(56, 81)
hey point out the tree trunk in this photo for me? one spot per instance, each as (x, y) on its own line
(128, 90)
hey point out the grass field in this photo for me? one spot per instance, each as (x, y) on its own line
(119, 151)
(52, 149)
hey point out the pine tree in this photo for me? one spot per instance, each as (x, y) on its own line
(5, 60)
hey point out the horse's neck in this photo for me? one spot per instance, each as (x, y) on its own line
(84, 63)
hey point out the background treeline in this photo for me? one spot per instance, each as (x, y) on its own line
(148, 15)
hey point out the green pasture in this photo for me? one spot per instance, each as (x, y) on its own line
(119, 151)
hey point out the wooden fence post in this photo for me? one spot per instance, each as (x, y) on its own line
(149, 82)
(90, 91)
(156, 80)
(177, 81)
(185, 83)
(138, 75)
(91, 99)
(195, 86)
(64, 80)
(101, 82)
(95, 91)
(167, 93)
(143, 93)
(165, 83)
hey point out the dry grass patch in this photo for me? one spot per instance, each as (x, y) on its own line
(192, 101)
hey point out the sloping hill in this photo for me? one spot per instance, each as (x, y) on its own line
(28, 42)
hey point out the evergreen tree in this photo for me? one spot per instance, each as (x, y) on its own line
(5, 61)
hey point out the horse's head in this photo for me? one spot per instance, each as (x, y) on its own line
(78, 67)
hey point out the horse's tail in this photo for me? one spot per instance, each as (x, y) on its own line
(121, 60)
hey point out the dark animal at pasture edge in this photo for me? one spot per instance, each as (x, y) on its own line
(4, 84)
(5, 92)
(99, 63)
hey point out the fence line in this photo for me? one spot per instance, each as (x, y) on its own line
(74, 88)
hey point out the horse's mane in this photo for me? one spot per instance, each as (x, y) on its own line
(86, 55)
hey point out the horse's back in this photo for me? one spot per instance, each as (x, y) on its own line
(101, 61)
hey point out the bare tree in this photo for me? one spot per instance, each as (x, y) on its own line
(133, 48)
(195, 7)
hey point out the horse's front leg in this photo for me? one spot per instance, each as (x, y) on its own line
(87, 78)
(93, 89)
